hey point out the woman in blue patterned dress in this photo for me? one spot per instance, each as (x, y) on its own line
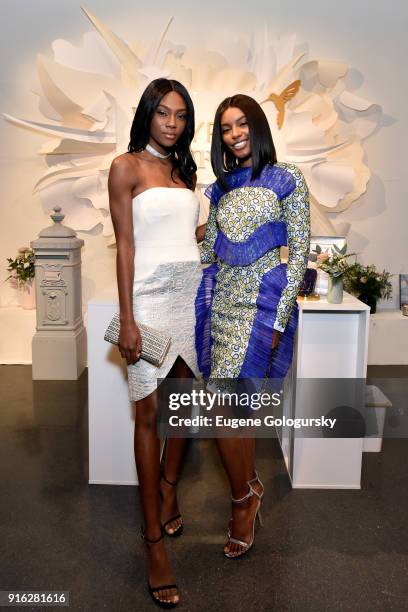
(246, 312)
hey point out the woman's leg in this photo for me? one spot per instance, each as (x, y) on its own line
(250, 464)
(147, 456)
(233, 457)
(249, 457)
(175, 450)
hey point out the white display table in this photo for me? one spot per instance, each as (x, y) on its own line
(111, 414)
(332, 342)
(387, 345)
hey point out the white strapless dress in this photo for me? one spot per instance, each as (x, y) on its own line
(166, 278)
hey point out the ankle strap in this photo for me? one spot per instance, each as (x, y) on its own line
(247, 496)
(148, 540)
(173, 484)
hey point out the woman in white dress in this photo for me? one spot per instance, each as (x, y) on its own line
(155, 213)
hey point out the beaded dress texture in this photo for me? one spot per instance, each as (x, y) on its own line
(247, 292)
(166, 278)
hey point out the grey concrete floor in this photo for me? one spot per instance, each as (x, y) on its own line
(318, 551)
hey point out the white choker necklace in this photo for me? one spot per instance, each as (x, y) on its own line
(155, 153)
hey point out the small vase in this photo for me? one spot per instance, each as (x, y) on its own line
(370, 301)
(27, 295)
(335, 290)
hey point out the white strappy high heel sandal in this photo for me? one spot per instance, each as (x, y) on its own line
(245, 546)
(260, 495)
(257, 479)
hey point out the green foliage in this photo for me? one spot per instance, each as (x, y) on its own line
(22, 267)
(367, 280)
(335, 263)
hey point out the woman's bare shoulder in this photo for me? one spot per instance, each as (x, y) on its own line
(126, 170)
(125, 162)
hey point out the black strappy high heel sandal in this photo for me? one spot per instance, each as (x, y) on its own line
(153, 590)
(177, 532)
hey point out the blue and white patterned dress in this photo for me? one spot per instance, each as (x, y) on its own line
(247, 292)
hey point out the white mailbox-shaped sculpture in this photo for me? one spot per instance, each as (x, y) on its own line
(59, 344)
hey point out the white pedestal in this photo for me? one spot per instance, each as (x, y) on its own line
(111, 414)
(332, 342)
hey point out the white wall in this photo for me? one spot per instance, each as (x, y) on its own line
(369, 35)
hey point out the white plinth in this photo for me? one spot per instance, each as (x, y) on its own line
(111, 414)
(332, 342)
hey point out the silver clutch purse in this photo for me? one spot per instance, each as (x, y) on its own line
(155, 344)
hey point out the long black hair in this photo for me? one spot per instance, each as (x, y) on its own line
(262, 147)
(181, 157)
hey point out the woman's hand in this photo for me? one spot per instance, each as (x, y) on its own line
(200, 232)
(130, 342)
(275, 338)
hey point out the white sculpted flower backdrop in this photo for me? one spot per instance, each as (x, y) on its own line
(88, 95)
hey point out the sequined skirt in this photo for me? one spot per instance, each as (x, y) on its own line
(165, 301)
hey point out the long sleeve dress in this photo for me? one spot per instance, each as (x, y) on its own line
(247, 292)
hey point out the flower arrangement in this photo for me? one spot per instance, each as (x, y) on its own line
(334, 263)
(22, 267)
(367, 281)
